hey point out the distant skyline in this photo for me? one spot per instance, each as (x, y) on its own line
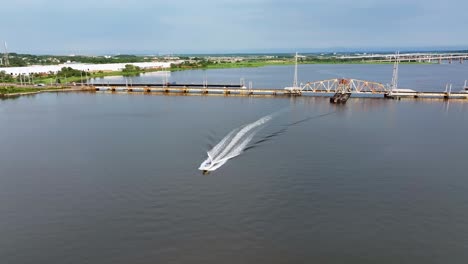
(230, 26)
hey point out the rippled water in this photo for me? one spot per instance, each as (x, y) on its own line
(112, 178)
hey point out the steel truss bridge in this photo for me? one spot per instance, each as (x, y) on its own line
(344, 86)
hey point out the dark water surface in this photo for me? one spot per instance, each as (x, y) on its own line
(112, 178)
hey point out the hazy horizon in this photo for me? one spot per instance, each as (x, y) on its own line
(259, 52)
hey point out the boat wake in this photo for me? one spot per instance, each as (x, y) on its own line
(232, 145)
(237, 141)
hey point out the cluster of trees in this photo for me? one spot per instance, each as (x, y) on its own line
(195, 63)
(5, 77)
(18, 60)
(8, 78)
(129, 68)
(69, 72)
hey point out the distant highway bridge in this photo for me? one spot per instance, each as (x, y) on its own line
(412, 57)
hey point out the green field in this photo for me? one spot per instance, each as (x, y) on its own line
(263, 63)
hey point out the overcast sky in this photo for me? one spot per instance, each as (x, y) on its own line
(193, 26)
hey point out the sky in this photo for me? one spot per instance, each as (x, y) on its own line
(229, 26)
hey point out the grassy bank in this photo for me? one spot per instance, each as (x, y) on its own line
(9, 90)
(53, 79)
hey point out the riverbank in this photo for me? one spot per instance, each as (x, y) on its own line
(53, 79)
(199, 65)
(12, 91)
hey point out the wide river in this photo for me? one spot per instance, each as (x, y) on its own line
(112, 178)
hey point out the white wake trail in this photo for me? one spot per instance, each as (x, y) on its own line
(244, 131)
(216, 149)
(240, 148)
(232, 144)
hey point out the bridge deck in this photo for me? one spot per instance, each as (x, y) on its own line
(278, 92)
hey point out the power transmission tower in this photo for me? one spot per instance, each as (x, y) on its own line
(5, 56)
(394, 84)
(295, 72)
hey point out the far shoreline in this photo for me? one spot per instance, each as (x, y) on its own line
(55, 80)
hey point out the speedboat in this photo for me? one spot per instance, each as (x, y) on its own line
(210, 165)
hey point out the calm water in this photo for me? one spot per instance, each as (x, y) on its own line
(112, 178)
(428, 77)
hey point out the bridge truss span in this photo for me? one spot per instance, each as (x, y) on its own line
(344, 86)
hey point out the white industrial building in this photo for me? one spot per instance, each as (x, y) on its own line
(45, 69)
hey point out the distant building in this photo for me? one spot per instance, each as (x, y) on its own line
(45, 69)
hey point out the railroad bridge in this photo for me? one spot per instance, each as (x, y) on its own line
(324, 86)
(354, 87)
(344, 86)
